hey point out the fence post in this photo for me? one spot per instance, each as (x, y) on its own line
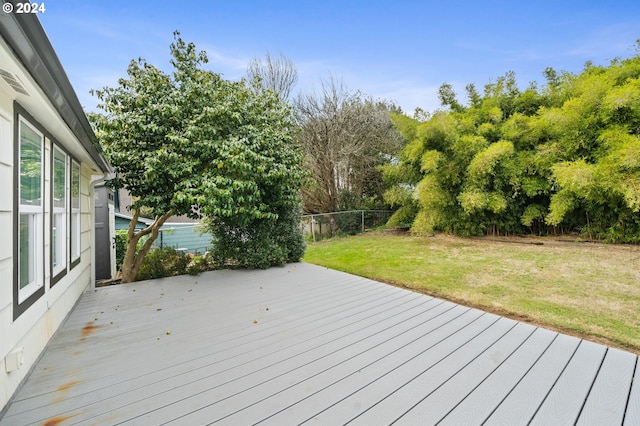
(362, 220)
(313, 229)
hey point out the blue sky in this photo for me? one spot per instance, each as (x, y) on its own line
(396, 50)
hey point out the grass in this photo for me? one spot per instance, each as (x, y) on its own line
(585, 289)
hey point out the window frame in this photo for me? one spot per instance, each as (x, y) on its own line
(75, 237)
(58, 272)
(23, 298)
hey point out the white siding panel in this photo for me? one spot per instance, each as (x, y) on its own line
(6, 195)
(85, 241)
(6, 296)
(6, 140)
(6, 236)
(6, 159)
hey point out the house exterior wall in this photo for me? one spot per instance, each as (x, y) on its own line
(26, 326)
(184, 236)
(26, 336)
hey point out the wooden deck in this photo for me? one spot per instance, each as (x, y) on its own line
(304, 344)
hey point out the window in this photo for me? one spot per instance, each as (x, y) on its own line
(47, 180)
(30, 230)
(75, 213)
(59, 219)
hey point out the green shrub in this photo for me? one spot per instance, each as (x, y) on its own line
(165, 262)
(261, 243)
(197, 265)
(121, 247)
(404, 216)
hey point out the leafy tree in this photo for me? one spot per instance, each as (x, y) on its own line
(447, 97)
(563, 157)
(598, 178)
(191, 143)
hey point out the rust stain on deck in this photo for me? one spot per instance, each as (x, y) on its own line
(55, 421)
(88, 329)
(61, 395)
(68, 385)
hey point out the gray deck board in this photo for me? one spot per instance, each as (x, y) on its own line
(384, 379)
(436, 405)
(292, 388)
(323, 391)
(607, 399)
(481, 400)
(565, 401)
(305, 344)
(524, 399)
(218, 394)
(632, 415)
(422, 380)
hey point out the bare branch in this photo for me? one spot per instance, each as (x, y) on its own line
(278, 74)
(345, 135)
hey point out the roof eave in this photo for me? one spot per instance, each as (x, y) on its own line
(25, 35)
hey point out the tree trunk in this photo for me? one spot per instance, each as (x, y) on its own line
(132, 260)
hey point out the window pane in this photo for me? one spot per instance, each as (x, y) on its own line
(26, 250)
(75, 211)
(59, 179)
(75, 235)
(59, 238)
(30, 166)
(75, 186)
(59, 222)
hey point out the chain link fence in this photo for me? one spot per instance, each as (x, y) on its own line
(327, 225)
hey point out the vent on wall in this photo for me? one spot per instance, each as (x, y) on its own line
(13, 81)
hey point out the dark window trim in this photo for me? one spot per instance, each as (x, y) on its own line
(20, 308)
(75, 262)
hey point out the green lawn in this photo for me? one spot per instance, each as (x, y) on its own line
(592, 290)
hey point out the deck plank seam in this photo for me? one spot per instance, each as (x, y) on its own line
(431, 366)
(486, 377)
(282, 361)
(519, 380)
(633, 382)
(555, 382)
(424, 302)
(226, 349)
(456, 373)
(350, 358)
(595, 377)
(377, 360)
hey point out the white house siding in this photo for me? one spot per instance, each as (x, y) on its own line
(32, 330)
(29, 333)
(6, 231)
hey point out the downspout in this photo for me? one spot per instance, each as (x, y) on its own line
(95, 179)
